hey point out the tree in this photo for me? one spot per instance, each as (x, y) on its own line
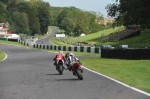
(131, 12)
(34, 23)
(20, 23)
(12, 5)
(3, 16)
(44, 15)
(4, 1)
(68, 24)
(31, 11)
(73, 19)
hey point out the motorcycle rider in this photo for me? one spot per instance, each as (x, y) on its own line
(59, 56)
(70, 59)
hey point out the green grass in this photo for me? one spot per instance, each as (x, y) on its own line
(2, 56)
(132, 72)
(62, 31)
(139, 41)
(11, 43)
(142, 40)
(93, 36)
(87, 38)
(59, 43)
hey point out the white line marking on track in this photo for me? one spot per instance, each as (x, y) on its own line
(138, 90)
(4, 58)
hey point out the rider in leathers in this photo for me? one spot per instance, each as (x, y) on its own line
(70, 59)
(59, 56)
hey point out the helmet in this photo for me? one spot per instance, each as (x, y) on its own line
(71, 54)
(61, 52)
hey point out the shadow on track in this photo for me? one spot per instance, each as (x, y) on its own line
(52, 74)
(67, 79)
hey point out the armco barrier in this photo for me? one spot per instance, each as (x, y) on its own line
(5, 39)
(13, 40)
(132, 54)
(75, 49)
(81, 49)
(88, 49)
(64, 48)
(68, 48)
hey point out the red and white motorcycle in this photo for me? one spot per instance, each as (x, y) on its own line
(74, 65)
(60, 66)
(77, 69)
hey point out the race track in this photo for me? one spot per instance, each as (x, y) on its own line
(30, 74)
(46, 41)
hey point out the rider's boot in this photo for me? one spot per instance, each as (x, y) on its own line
(70, 68)
(73, 73)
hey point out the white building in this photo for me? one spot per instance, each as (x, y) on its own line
(4, 31)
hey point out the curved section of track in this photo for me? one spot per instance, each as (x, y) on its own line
(46, 40)
(4, 58)
(30, 74)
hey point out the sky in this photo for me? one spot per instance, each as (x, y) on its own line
(87, 5)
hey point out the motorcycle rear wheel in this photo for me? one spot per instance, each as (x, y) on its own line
(60, 70)
(79, 74)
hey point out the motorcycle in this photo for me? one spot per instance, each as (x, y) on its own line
(60, 66)
(77, 70)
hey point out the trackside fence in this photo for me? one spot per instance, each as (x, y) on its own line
(131, 54)
(63, 48)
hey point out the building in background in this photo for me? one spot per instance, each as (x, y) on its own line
(109, 20)
(4, 30)
(105, 21)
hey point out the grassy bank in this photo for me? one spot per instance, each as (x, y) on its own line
(140, 41)
(59, 43)
(11, 43)
(87, 38)
(2, 56)
(132, 72)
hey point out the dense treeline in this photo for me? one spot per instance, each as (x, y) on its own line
(75, 21)
(27, 17)
(131, 12)
(34, 16)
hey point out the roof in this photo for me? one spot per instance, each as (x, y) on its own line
(2, 23)
(7, 24)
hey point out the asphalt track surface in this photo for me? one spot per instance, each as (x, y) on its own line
(46, 41)
(30, 74)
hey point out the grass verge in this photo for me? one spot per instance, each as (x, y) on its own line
(11, 43)
(2, 56)
(132, 72)
(59, 43)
